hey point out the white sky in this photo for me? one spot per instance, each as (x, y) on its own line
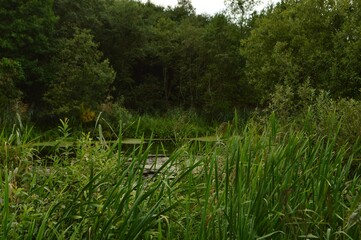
(204, 6)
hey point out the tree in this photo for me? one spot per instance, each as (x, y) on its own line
(123, 40)
(183, 10)
(189, 65)
(11, 73)
(82, 78)
(167, 58)
(223, 83)
(299, 41)
(160, 59)
(85, 14)
(27, 28)
(240, 10)
(346, 64)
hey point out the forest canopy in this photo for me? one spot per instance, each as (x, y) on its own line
(59, 58)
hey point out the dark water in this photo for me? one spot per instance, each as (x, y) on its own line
(162, 147)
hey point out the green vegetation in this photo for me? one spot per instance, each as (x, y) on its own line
(68, 59)
(174, 125)
(79, 71)
(263, 180)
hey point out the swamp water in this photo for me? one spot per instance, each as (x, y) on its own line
(159, 149)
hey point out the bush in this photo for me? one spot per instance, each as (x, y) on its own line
(11, 73)
(317, 113)
(114, 116)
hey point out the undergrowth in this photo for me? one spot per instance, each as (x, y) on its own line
(263, 181)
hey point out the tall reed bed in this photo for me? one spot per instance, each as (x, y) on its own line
(262, 182)
(268, 183)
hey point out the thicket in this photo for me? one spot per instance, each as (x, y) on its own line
(75, 59)
(284, 164)
(263, 180)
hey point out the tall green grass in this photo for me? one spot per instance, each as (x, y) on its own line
(267, 181)
(283, 185)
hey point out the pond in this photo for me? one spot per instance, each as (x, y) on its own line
(159, 150)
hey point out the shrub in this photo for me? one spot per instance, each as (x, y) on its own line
(11, 73)
(82, 79)
(317, 113)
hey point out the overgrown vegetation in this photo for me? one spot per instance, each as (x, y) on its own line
(175, 125)
(261, 180)
(69, 59)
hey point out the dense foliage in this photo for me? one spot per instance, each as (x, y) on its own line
(80, 75)
(166, 58)
(299, 41)
(262, 180)
(285, 82)
(27, 37)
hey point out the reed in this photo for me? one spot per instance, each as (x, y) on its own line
(267, 181)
